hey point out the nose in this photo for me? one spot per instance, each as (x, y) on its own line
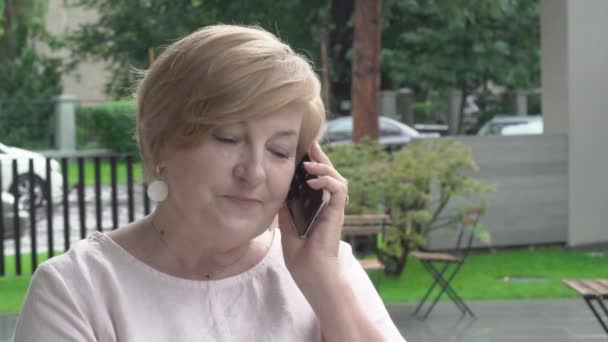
(250, 168)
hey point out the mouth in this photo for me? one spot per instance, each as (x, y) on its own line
(243, 202)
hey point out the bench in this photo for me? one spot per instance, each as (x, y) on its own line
(592, 291)
(358, 227)
(373, 267)
(365, 226)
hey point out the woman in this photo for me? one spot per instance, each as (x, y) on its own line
(223, 117)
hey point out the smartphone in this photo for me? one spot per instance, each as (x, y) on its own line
(304, 203)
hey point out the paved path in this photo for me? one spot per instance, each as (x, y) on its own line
(554, 320)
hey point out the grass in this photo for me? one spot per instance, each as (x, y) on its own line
(482, 277)
(12, 287)
(89, 172)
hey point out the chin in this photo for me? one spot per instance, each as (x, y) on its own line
(245, 226)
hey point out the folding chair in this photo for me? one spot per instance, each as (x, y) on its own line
(443, 267)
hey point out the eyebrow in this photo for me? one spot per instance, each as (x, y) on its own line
(285, 134)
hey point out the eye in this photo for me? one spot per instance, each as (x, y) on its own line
(280, 154)
(225, 140)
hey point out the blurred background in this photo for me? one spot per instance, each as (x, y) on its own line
(496, 107)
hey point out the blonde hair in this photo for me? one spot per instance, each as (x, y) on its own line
(218, 75)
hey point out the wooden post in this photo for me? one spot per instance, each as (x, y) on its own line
(366, 69)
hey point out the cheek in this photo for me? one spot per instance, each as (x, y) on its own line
(192, 175)
(280, 180)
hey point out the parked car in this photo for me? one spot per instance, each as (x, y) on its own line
(502, 125)
(530, 128)
(393, 134)
(8, 213)
(18, 185)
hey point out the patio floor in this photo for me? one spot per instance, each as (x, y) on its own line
(555, 320)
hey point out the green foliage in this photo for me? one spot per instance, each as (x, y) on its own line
(464, 45)
(448, 44)
(362, 164)
(27, 100)
(110, 125)
(28, 81)
(424, 187)
(128, 31)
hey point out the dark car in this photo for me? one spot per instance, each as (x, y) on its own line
(393, 134)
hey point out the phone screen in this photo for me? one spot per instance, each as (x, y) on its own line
(303, 202)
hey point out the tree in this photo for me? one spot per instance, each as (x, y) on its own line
(28, 80)
(127, 31)
(366, 69)
(464, 45)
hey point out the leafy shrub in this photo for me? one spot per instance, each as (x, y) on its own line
(110, 125)
(425, 186)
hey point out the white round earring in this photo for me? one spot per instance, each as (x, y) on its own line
(158, 189)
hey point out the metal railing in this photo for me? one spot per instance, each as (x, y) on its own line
(56, 214)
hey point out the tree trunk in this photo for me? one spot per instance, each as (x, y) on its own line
(403, 260)
(366, 69)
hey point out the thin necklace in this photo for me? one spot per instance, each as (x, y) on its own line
(212, 274)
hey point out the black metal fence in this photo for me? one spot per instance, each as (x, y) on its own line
(56, 215)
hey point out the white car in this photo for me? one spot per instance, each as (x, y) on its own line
(393, 134)
(18, 185)
(530, 128)
(513, 125)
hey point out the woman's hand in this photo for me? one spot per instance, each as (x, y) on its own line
(318, 254)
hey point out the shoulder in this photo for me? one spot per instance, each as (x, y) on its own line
(58, 301)
(85, 254)
(80, 271)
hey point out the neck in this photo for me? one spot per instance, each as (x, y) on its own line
(188, 250)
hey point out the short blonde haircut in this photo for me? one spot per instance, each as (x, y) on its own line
(218, 75)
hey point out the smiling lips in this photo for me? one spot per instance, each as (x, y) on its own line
(243, 202)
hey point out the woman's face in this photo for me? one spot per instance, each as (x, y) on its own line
(236, 181)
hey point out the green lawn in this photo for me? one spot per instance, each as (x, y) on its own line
(89, 172)
(12, 287)
(482, 277)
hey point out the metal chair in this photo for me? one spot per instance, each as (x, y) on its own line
(443, 267)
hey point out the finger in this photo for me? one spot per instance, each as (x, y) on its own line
(318, 169)
(337, 189)
(316, 153)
